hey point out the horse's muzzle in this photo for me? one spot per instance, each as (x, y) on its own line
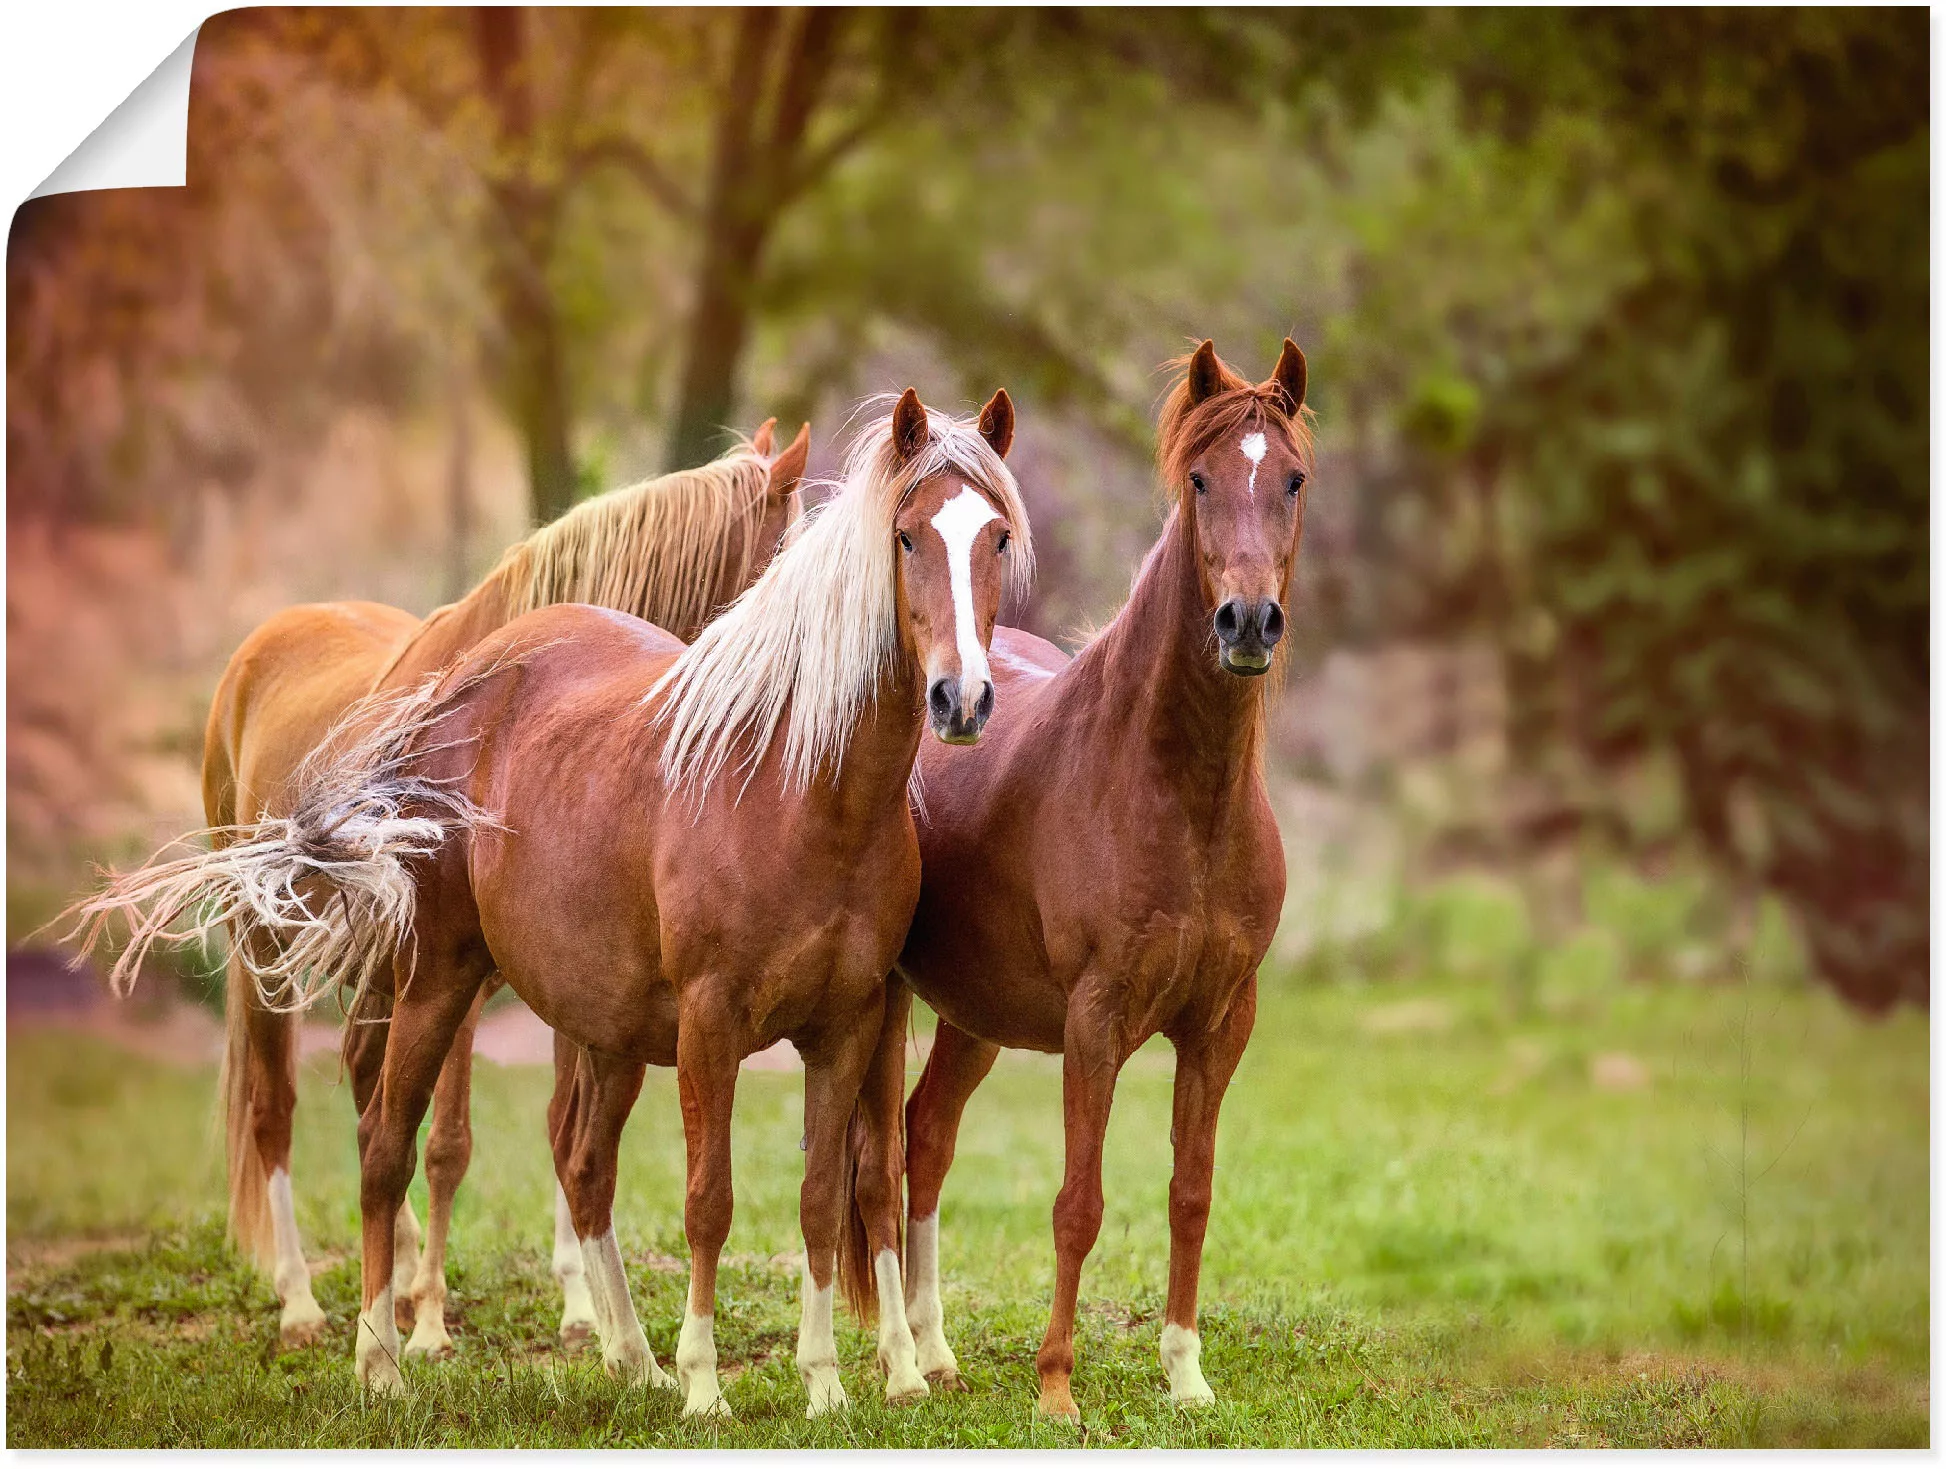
(954, 719)
(1247, 629)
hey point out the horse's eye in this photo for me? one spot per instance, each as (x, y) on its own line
(1196, 483)
(1297, 483)
(1005, 537)
(905, 541)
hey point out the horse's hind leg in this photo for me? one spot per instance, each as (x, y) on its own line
(364, 1054)
(260, 1147)
(607, 1087)
(1204, 1064)
(957, 1065)
(834, 1066)
(449, 1148)
(570, 1271)
(424, 1021)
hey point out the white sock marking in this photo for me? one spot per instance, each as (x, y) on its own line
(897, 1357)
(817, 1347)
(924, 1312)
(624, 1347)
(290, 1274)
(1182, 1352)
(1253, 447)
(958, 523)
(696, 1365)
(577, 1304)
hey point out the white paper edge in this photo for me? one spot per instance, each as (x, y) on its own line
(142, 144)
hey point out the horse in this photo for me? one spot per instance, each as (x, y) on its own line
(670, 550)
(676, 856)
(1104, 867)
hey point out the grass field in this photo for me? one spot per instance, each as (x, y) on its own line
(1643, 1215)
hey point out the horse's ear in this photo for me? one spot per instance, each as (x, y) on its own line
(787, 469)
(1205, 373)
(1288, 379)
(764, 437)
(997, 422)
(909, 426)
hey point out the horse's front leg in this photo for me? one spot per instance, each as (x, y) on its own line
(1204, 1064)
(708, 1051)
(1091, 1060)
(607, 1087)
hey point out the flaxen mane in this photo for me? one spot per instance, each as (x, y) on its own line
(807, 645)
(655, 550)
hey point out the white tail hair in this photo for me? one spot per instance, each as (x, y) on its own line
(817, 631)
(330, 884)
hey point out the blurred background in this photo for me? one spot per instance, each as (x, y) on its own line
(1611, 625)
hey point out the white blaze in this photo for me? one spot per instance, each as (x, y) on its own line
(958, 522)
(1253, 450)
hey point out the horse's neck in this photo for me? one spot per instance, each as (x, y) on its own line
(1157, 677)
(446, 636)
(877, 766)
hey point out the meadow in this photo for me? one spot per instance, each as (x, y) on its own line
(1447, 1214)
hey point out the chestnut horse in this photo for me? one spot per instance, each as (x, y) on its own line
(675, 856)
(671, 550)
(1105, 867)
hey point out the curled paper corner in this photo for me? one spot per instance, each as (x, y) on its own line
(142, 144)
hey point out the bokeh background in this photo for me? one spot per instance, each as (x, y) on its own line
(1611, 668)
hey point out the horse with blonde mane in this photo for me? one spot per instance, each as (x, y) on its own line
(1104, 868)
(670, 550)
(675, 856)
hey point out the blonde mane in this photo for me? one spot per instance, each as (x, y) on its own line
(808, 645)
(655, 549)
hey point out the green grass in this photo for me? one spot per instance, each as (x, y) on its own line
(1628, 1215)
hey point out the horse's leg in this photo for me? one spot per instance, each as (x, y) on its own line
(706, 1079)
(1204, 1065)
(608, 1086)
(834, 1065)
(570, 1272)
(880, 1167)
(270, 1039)
(958, 1064)
(1090, 1060)
(424, 1020)
(364, 1054)
(449, 1148)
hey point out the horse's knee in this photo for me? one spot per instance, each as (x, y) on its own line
(706, 1216)
(1189, 1202)
(1077, 1217)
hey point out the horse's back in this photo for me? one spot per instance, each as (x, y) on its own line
(285, 686)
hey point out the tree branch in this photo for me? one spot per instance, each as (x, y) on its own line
(632, 158)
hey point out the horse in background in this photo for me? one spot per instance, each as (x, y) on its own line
(675, 855)
(1103, 868)
(670, 550)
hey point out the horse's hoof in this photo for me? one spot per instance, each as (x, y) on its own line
(1195, 1395)
(382, 1380)
(946, 1380)
(438, 1349)
(714, 1407)
(1057, 1403)
(904, 1394)
(659, 1380)
(299, 1332)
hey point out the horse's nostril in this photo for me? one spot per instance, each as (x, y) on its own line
(1228, 621)
(941, 698)
(1273, 623)
(985, 707)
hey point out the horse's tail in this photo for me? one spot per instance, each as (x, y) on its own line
(329, 888)
(250, 1223)
(855, 1275)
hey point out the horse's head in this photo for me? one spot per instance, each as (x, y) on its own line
(1235, 456)
(783, 505)
(954, 541)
